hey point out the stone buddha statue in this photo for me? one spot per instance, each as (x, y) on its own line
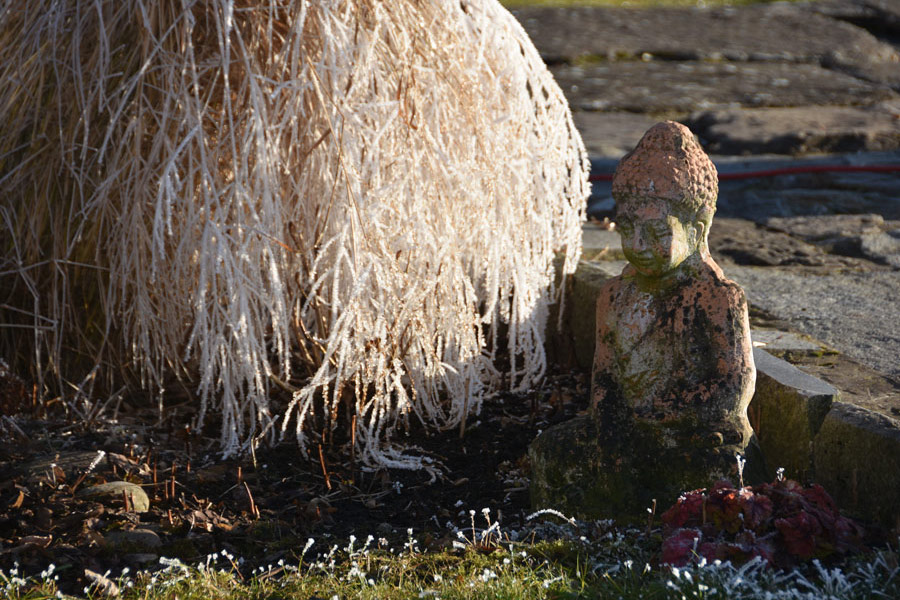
(673, 369)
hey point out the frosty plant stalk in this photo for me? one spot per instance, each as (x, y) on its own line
(349, 200)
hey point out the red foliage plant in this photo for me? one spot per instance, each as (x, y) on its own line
(781, 522)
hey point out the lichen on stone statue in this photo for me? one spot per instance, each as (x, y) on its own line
(673, 368)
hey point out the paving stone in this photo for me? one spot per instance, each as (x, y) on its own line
(786, 412)
(854, 312)
(597, 242)
(860, 385)
(773, 340)
(612, 134)
(827, 229)
(114, 491)
(857, 458)
(777, 32)
(883, 246)
(745, 243)
(684, 87)
(800, 129)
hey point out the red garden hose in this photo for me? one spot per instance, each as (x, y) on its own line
(786, 171)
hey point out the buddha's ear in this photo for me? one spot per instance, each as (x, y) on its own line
(702, 229)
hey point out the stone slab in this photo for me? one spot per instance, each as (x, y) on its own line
(857, 459)
(612, 134)
(743, 242)
(827, 229)
(854, 312)
(777, 32)
(882, 246)
(574, 345)
(773, 340)
(860, 385)
(866, 235)
(600, 243)
(786, 412)
(800, 129)
(664, 87)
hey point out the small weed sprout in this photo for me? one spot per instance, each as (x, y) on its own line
(741, 461)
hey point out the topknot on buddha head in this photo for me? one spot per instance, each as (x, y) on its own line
(669, 165)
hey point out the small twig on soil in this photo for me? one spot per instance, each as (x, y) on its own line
(253, 509)
(324, 469)
(353, 441)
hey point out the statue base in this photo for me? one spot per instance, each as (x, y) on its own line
(578, 471)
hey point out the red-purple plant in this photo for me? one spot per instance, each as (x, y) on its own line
(780, 522)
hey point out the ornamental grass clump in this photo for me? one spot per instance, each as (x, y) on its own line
(355, 204)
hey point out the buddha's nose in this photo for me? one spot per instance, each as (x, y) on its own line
(638, 242)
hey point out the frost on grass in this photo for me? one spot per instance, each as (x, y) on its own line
(355, 202)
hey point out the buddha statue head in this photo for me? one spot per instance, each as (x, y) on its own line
(665, 192)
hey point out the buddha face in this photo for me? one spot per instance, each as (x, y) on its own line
(654, 239)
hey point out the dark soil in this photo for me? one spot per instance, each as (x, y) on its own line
(260, 510)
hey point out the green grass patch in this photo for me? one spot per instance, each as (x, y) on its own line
(612, 564)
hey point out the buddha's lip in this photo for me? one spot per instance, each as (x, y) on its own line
(642, 261)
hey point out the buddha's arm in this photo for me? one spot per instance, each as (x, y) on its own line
(726, 390)
(601, 372)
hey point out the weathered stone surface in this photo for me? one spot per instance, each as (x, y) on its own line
(608, 133)
(135, 539)
(883, 246)
(114, 491)
(865, 235)
(599, 243)
(787, 412)
(782, 341)
(857, 458)
(860, 385)
(830, 231)
(854, 312)
(746, 243)
(799, 129)
(758, 33)
(686, 87)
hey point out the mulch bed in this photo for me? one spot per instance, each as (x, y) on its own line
(260, 508)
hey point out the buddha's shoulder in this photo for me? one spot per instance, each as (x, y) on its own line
(713, 281)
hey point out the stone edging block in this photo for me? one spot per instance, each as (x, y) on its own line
(857, 459)
(786, 412)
